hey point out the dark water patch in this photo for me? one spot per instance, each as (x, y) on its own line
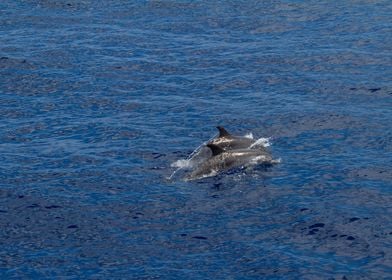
(138, 215)
(318, 225)
(34, 205)
(52, 206)
(313, 231)
(199, 237)
(72, 226)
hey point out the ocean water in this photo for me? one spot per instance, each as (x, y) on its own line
(99, 98)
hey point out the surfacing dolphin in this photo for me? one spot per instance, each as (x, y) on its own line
(227, 141)
(223, 160)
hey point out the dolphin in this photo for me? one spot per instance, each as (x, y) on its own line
(227, 141)
(223, 160)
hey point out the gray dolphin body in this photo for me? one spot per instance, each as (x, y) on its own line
(223, 160)
(227, 141)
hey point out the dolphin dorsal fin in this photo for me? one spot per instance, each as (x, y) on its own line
(223, 132)
(215, 149)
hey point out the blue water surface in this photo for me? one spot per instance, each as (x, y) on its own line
(99, 98)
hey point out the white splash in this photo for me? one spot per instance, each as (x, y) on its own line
(188, 162)
(181, 163)
(249, 135)
(211, 174)
(257, 160)
(265, 142)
